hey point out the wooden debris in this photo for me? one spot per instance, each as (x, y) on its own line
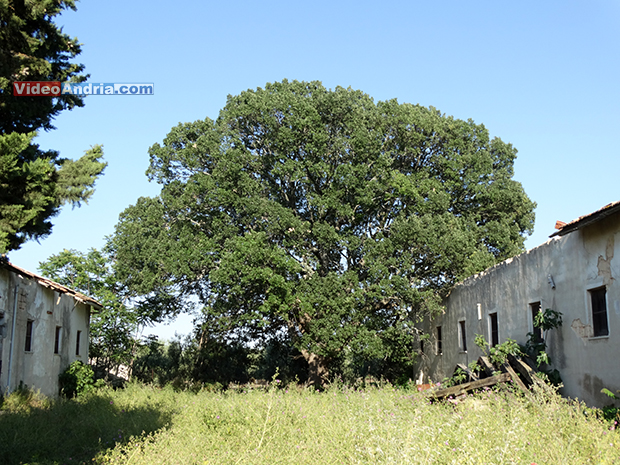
(515, 377)
(523, 368)
(468, 387)
(529, 362)
(486, 365)
(519, 370)
(472, 376)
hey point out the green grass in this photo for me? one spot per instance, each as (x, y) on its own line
(144, 425)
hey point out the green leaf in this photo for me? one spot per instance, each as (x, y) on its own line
(323, 217)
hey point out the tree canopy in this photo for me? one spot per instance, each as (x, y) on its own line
(34, 48)
(111, 330)
(324, 217)
(35, 184)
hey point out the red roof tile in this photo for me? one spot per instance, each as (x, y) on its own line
(586, 219)
(45, 282)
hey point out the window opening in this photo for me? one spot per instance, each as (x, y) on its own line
(77, 343)
(537, 332)
(463, 336)
(599, 312)
(493, 329)
(29, 329)
(57, 340)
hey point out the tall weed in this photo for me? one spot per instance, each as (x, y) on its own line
(145, 425)
(380, 425)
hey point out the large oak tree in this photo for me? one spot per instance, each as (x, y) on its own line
(324, 217)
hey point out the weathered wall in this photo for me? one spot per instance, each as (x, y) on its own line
(39, 368)
(582, 260)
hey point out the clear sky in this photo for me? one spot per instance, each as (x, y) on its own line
(542, 75)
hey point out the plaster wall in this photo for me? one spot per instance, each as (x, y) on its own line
(39, 367)
(559, 274)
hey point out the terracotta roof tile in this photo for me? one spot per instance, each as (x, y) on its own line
(585, 220)
(45, 282)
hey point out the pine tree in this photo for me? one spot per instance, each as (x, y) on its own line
(34, 184)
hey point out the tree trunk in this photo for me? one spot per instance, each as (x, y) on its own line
(317, 364)
(317, 368)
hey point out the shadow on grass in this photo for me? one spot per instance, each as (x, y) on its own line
(72, 431)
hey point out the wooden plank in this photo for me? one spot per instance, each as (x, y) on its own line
(534, 370)
(467, 387)
(461, 366)
(529, 362)
(472, 376)
(522, 368)
(506, 366)
(486, 365)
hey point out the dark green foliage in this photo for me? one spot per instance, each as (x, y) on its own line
(35, 184)
(34, 48)
(27, 191)
(79, 430)
(77, 379)
(218, 362)
(323, 217)
(611, 413)
(280, 357)
(192, 363)
(397, 363)
(537, 348)
(187, 363)
(499, 353)
(145, 237)
(153, 364)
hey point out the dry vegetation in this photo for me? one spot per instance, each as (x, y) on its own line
(145, 425)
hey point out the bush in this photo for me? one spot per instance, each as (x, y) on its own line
(24, 399)
(77, 379)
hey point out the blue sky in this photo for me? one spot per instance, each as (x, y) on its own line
(543, 76)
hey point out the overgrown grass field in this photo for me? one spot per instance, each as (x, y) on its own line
(147, 425)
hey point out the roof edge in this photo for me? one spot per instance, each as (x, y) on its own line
(588, 219)
(48, 283)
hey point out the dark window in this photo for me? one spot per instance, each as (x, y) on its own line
(463, 339)
(57, 340)
(28, 346)
(494, 329)
(77, 343)
(599, 312)
(537, 332)
(439, 342)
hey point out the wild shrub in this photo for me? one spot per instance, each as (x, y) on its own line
(23, 400)
(536, 347)
(77, 379)
(611, 413)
